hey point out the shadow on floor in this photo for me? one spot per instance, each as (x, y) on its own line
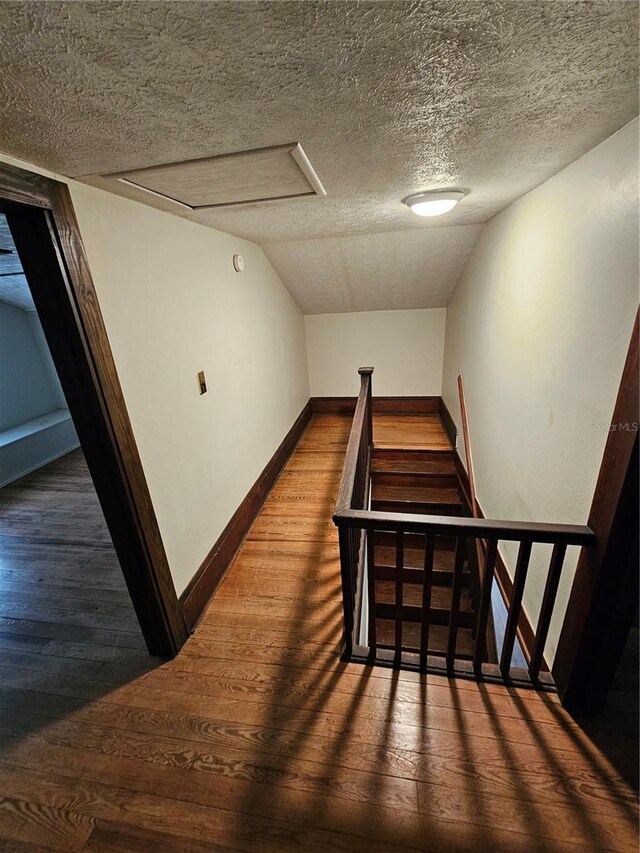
(68, 631)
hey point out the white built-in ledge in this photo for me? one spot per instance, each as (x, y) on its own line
(49, 419)
(34, 443)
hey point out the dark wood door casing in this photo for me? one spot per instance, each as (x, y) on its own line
(604, 595)
(46, 233)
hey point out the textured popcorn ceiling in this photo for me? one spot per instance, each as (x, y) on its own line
(386, 98)
(371, 272)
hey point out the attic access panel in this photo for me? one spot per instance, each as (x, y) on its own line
(263, 174)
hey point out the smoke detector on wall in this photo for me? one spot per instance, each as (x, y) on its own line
(238, 263)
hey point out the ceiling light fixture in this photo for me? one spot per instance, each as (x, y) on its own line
(433, 202)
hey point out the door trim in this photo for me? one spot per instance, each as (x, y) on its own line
(46, 233)
(604, 595)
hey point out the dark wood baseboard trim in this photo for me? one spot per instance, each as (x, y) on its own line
(206, 580)
(505, 584)
(381, 405)
(448, 423)
(464, 478)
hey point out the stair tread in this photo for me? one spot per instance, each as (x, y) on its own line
(413, 461)
(416, 494)
(412, 595)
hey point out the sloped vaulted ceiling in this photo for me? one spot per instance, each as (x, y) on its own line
(386, 98)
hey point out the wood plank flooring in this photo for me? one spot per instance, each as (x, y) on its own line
(256, 737)
(414, 432)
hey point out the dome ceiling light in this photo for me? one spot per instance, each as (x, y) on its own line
(433, 202)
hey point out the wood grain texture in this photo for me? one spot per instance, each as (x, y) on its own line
(256, 737)
(204, 583)
(22, 187)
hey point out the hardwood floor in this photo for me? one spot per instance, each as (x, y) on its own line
(59, 575)
(256, 737)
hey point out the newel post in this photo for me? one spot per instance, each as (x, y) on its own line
(365, 374)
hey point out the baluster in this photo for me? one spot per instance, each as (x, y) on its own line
(371, 592)
(524, 553)
(347, 589)
(546, 609)
(426, 601)
(485, 604)
(399, 597)
(352, 563)
(455, 604)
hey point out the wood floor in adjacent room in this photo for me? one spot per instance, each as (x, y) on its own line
(256, 737)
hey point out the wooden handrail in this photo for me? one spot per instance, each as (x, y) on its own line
(353, 492)
(467, 449)
(450, 525)
(363, 410)
(479, 544)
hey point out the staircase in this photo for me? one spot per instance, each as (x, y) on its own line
(417, 562)
(424, 482)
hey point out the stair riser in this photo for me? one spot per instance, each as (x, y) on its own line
(438, 577)
(417, 508)
(415, 540)
(437, 616)
(412, 480)
(410, 454)
(414, 466)
(414, 558)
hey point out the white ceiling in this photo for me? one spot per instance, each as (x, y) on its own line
(386, 98)
(370, 272)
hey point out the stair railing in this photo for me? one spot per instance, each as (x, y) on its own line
(473, 502)
(353, 494)
(358, 528)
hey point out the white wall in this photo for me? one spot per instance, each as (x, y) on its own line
(35, 425)
(26, 387)
(539, 326)
(405, 348)
(173, 305)
(49, 367)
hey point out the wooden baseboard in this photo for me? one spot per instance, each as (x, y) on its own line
(381, 405)
(525, 632)
(461, 471)
(215, 565)
(448, 423)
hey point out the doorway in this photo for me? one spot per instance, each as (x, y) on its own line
(62, 592)
(47, 242)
